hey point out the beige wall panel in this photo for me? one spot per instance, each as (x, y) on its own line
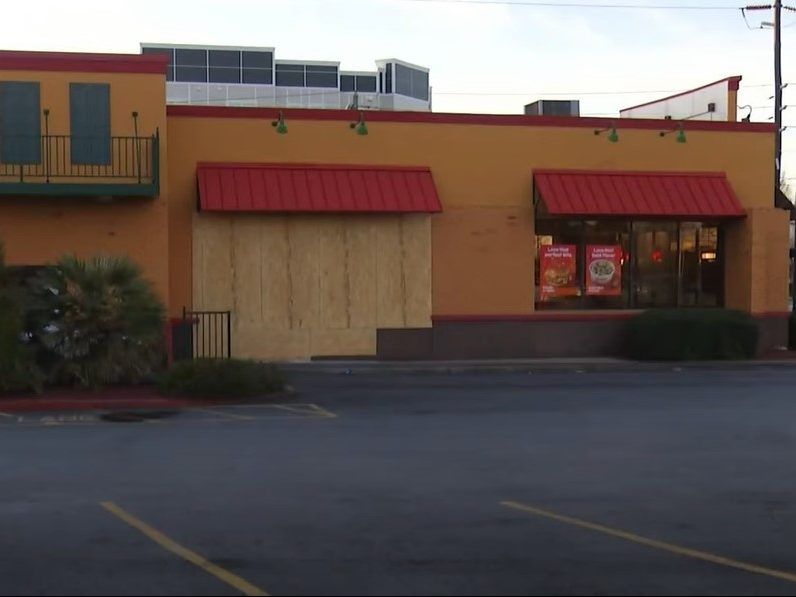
(214, 235)
(304, 268)
(362, 264)
(302, 286)
(261, 343)
(334, 274)
(275, 278)
(246, 271)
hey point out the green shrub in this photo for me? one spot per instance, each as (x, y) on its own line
(18, 371)
(217, 378)
(96, 322)
(693, 334)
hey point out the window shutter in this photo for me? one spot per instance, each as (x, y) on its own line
(20, 123)
(90, 123)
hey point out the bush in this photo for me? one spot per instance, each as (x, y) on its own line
(18, 371)
(96, 322)
(215, 378)
(693, 334)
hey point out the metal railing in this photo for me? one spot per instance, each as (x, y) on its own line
(207, 334)
(51, 158)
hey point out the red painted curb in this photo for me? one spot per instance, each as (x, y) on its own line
(55, 405)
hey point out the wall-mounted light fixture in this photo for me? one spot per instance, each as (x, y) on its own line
(613, 135)
(680, 130)
(360, 127)
(279, 124)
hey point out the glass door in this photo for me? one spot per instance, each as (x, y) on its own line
(655, 249)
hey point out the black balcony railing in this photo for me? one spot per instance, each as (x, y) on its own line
(64, 161)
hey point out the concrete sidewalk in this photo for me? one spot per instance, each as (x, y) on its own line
(575, 365)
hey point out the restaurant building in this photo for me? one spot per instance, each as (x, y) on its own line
(432, 236)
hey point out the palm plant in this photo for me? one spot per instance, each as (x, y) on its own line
(18, 371)
(97, 322)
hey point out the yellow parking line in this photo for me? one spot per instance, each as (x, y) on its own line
(194, 558)
(306, 410)
(660, 545)
(223, 414)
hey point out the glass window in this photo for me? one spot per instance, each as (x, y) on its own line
(558, 232)
(290, 75)
(701, 281)
(411, 82)
(420, 84)
(224, 66)
(321, 76)
(169, 52)
(614, 264)
(258, 68)
(190, 65)
(347, 83)
(403, 80)
(366, 83)
(190, 57)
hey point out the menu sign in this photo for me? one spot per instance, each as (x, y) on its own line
(603, 270)
(558, 271)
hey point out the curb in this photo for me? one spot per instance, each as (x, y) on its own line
(530, 367)
(44, 404)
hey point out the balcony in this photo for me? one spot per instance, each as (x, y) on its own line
(61, 165)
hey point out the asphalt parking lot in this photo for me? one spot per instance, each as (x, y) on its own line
(668, 483)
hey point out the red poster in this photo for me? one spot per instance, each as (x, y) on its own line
(558, 271)
(604, 270)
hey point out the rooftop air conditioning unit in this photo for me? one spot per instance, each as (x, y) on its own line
(553, 108)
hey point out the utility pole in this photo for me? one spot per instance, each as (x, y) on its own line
(778, 100)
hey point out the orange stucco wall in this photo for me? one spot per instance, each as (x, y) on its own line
(37, 230)
(482, 243)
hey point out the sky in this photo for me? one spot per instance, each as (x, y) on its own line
(483, 57)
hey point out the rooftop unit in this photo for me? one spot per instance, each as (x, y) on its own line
(553, 108)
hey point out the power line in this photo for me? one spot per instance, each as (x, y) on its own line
(547, 4)
(536, 93)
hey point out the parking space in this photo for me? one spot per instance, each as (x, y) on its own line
(600, 484)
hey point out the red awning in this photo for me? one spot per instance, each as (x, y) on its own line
(644, 194)
(304, 188)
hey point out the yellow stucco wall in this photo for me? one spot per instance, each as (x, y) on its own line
(483, 240)
(37, 230)
(302, 286)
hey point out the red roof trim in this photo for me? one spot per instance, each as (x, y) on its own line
(307, 166)
(631, 173)
(455, 118)
(86, 63)
(678, 195)
(315, 188)
(733, 84)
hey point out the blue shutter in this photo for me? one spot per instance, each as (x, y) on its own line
(20, 123)
(90, 123)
